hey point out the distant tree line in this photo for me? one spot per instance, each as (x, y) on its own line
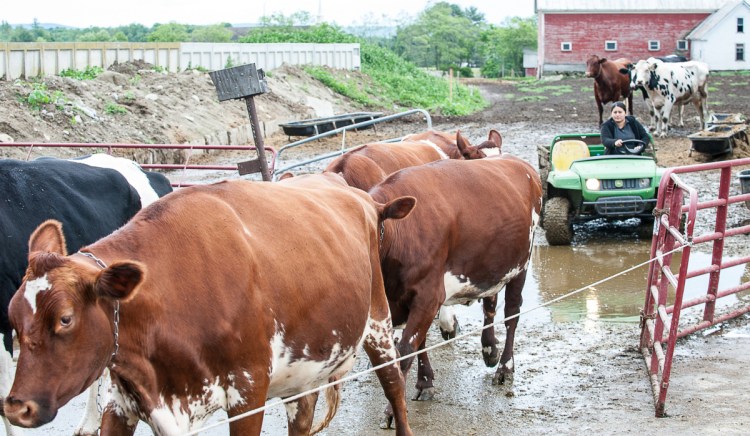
(443, 36)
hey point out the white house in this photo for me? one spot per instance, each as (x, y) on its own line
(723, 39)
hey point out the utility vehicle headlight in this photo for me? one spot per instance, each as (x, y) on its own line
(593, 184)
(644, 183)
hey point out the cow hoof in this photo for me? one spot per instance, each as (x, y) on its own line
(386, 423)
(490, 356)
(502, 378)
(426, 394)
(451, 334)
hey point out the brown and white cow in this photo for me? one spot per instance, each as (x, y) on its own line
(218, 297)
(475, 221)
(610, 84)
(368, 165)
(450, 144)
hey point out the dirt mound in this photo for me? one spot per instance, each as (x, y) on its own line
(133, 103)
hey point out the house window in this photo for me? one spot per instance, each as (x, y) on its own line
(654, 45)
(740, 25)
(566, 46)
(682, 44)
(610, 45)
(739, 52)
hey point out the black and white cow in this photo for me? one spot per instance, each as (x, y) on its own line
(669, 84)
(92, 196)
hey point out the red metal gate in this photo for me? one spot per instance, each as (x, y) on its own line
(660, 322)
(187, 165)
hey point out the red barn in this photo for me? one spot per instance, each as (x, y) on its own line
(571, 30)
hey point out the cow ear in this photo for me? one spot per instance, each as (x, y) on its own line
(398, 208)
(463, 145)
(602, 60)
(48, 237)
(120, 280)
(652, 67)
(494, 140)
(624, 70)
(286, 176)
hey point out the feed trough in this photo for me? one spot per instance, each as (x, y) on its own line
(719, 135)
(315, 126)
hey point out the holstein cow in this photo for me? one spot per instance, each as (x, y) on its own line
(610, 85)
(475, 220)
(670, 84)
(91, 201)
(268, 294)
(368, 165)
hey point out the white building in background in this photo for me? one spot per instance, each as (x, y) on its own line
(723, 39)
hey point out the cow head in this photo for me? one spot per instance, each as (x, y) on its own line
(468, 151)
(63, 314)
(594, 66)
(644, 73)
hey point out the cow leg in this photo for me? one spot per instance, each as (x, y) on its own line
(255, 396)
(599, 106)
(380, 348)
(425, 377)
(115, 424)
(299, 414)
(92, 418)
(448, 322)
(682, 118)
(6, 380)
(513, 301)
(489, 340)
(666, 111)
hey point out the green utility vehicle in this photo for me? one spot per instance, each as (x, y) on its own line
(581, 183)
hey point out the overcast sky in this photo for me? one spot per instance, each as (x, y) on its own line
(103, 13)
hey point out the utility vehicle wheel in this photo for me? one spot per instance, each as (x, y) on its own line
(557, 225)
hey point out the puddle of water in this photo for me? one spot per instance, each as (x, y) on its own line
(560, 270)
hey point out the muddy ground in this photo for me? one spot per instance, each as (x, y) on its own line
(574, 374)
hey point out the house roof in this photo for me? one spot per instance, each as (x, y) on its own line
(717, 17)
(629, 6)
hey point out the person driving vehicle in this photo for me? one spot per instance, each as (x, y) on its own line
(623, 134)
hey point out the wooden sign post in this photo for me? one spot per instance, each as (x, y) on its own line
(245, 81)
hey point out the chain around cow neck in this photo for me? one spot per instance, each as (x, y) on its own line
(116, 318)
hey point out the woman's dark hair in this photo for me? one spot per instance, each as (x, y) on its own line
(619, 104)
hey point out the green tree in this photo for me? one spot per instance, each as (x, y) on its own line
(212, 33)
(120, 36)
(443, 35)
(171, 32)
(502, 47)
(6, 31)
(95, 35)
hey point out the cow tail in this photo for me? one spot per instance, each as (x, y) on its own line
(333, 399)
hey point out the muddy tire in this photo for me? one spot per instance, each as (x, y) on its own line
(557, 225)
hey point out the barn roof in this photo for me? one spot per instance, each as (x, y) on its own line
(716, 18)
(629, 6)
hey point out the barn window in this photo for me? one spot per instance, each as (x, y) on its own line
(682, 44)
(610, 45)
(740, 25)
(740, 52)
(566, 46)
(654, 45)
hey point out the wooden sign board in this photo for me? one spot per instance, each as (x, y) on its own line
(239, 82)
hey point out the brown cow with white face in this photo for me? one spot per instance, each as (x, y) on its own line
(218, 297)
(475, 221)
(370, 164)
